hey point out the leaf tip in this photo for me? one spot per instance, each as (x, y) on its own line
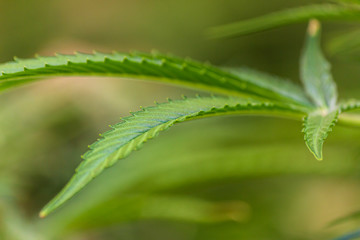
(318, 156)
(43, 213)
(315, 150)
(314, 27)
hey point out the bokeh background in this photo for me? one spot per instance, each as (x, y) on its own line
(221, 178)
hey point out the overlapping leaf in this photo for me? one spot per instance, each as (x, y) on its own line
(283, 87)
(319, 85)
(286, 17)
(350, 105)
(141, 66)
(144, 125)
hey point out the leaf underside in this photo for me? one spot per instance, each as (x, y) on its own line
(141, 66)
(317, 126)
(320, 87)
(285, 17)
(133, 131)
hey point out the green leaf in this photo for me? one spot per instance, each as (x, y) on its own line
(350, 119)
(203, 159)
(149, 67)
(282, 87)
(317, 125)
(285, 17)
(130, 134)
(350, 105)
(315, 70)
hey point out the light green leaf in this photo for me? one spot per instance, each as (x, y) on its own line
(317, 125)
(283, 87)
(144, 125)
(350, 105)
(315, 70)
(351, 119)
(141, 66)
(201, 160)
(285, 17)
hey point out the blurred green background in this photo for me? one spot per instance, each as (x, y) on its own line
(221, 178)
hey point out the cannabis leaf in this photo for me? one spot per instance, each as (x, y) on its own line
(350, 105)
(141, 66)
(248, 92)
(315, 70)
(319, 85)
(146, 124)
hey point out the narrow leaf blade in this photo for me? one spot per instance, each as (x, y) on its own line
(315, 70)
(154, 67)
(130, 134)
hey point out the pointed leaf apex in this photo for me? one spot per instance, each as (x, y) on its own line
(43, 214)
(318, 154)
(315, 150)
(314, 27)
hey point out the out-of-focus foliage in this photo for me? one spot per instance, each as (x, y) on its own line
(289, 16)
(242, 180)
